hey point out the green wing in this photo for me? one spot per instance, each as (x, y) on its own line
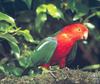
(42, 54)
(44, 51)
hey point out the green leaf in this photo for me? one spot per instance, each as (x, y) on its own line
(81, 10)
(71, 4)
(39, 21)
(5, 27)
(42, 15)
(41, 9)
(91, 67)
(26, 35)
(15, 71)
(15, 49)
(78, 16)
(3, 61)
(7, 18)
(2, 69)
(78, 7)
(98, 13)
(51, 10)
(13, 43)
(90, 25)
(9, 69)
(54, 11)
(8, 37)
(28, 3)
(25, 59)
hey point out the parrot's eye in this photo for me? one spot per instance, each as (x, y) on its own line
(79, 29)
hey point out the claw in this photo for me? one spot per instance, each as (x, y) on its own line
(53, 75)
(45, 70)
(67, 68)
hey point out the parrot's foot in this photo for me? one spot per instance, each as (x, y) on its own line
(53, 75)
(67, 68)
(45, 70)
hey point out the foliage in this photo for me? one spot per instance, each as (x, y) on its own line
(9, 33)
(42, 16)
(38, 19)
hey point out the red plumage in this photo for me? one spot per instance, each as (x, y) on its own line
(66, 38)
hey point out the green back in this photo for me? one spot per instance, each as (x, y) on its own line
(44, 51)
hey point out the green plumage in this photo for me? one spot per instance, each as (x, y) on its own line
(44, 51)
(41, 54)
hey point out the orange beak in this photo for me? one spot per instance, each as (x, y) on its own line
(85, 35)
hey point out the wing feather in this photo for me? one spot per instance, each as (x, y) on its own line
(44, 51)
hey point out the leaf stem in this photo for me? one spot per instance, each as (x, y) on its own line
(90, 16)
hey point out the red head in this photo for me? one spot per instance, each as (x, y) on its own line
(75, 31)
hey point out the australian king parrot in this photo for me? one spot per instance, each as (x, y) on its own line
(54, 50)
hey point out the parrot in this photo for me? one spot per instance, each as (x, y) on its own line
(54, 50)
